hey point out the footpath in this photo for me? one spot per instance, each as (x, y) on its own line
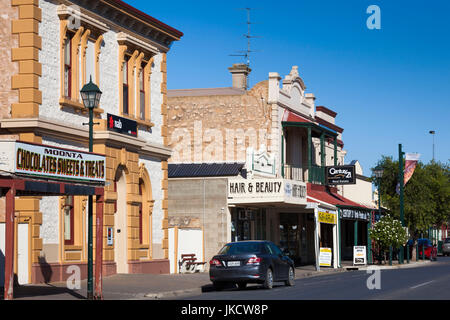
(165, 286)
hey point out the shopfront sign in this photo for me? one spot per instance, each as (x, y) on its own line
(325, 257)
(110, 236)
(340, 175)
(355, 214)
(359, 255)
(122, 125)
(266, 190)
(43, 161)
(327, 217)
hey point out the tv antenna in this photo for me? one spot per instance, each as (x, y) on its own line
(249, 36)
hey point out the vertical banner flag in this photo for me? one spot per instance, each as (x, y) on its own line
(410, 164)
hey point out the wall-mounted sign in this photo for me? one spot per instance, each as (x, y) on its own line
(110, 236)
(42, 161)
(359, 255)
(355, 214)
(340, 175)
(325, 257)
(122, 125)
(266, 190)
(260, 162)
(327, 217)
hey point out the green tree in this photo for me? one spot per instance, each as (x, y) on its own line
(426, 195)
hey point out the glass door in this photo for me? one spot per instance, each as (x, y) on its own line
(290, 235)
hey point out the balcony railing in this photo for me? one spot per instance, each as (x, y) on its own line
(301, 173)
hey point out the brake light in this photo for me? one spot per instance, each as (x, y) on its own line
(254, 260)
(215, 262)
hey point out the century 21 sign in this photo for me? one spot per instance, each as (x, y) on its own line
(340, 175)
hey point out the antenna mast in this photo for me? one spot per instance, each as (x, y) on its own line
(246, 53)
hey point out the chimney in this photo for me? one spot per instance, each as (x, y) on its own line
(239, 73)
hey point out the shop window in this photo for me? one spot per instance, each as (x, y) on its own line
(68, 65)
(90, 63)
(125, 88)
(142, 94)
(69, 214)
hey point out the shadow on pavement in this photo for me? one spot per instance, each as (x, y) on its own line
(33, 291)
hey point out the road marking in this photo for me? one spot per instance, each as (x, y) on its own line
(422, 284)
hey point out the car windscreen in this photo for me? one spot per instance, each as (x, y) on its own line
(241, 248)
(447, 240)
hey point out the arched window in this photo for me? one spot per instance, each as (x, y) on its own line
(140, 213)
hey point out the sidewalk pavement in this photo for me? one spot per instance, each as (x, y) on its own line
(162, 286)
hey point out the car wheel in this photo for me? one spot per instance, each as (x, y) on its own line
(268, 282)
(291, 277)
(242, 285)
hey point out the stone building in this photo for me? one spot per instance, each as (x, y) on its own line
(50, 49)
(250, 164)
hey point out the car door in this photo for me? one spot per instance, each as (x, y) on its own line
(280, 262)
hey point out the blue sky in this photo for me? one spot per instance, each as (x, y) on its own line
(388, 86)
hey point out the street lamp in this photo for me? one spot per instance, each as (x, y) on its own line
(432, 132)
(90, 93)
(378, 172)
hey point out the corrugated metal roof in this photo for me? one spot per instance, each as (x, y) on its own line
(181, 170)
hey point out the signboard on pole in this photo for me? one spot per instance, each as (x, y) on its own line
(359, 255)
(340, 175)
(325, 257)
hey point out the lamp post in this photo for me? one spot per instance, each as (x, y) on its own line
(378, 172)
(401, 178)
(432, 132)
(90, 93)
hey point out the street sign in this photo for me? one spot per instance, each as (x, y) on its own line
(359, 255)
(340, 175)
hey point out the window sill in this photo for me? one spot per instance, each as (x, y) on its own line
(66, 102)
(73, 248)
(145, 123)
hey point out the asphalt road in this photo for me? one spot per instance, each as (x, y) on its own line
(431, 282)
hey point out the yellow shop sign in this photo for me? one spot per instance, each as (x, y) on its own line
(326, 217)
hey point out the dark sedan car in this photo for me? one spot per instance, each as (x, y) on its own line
(251, 262)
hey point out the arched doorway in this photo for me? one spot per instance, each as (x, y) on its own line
(120, 223)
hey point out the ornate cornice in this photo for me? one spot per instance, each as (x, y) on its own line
(119, 15)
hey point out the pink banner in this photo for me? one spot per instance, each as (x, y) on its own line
(410, 164)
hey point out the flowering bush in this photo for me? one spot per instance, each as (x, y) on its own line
(388, 232)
